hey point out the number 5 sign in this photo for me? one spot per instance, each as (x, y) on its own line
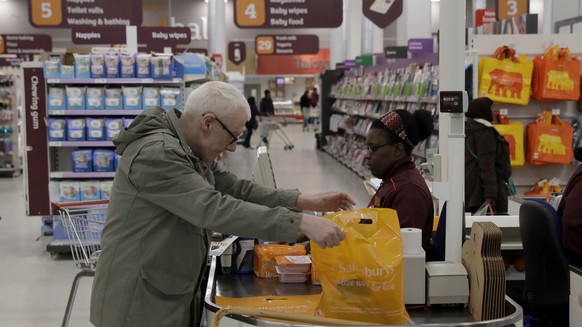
(511, 8)
(46, 12)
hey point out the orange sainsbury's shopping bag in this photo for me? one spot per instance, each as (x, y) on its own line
(556, 75)
(549, 141)
(505, 77)
(362, 278)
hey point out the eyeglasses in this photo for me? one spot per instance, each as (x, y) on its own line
(234, 137)
(373, 148)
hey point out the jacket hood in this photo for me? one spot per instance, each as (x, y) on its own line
(474, 125)
(148, 122)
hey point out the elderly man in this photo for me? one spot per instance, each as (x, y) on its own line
(169, 192)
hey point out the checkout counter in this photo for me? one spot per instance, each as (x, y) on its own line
(248, 285)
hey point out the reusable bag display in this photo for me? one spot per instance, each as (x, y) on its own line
(362, 278)
(556, 75)
(513, 134)
(505, 77)
(549, 140)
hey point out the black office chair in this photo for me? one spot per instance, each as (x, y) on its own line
(547, 283)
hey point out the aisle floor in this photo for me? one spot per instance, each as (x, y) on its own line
(34, 286)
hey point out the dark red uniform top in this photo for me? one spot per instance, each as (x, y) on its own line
(404, 190)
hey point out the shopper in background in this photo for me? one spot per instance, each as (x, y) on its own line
(266, 106)
(487, 162)
(252, 124)
(169, 193)
(570, 209)
(390, 142)
(305, 103)
(314, 97)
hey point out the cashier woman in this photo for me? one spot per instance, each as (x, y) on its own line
(169, 192)
(389, 143)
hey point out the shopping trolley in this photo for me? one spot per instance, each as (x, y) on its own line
(83, 223)
(269, 125)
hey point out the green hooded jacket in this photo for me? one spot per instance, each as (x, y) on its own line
(163, 203)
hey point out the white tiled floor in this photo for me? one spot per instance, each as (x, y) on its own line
(34, 287)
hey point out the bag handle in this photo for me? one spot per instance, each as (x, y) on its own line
(505, 52)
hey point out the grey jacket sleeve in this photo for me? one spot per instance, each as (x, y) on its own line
(164, 176)
(243, 189)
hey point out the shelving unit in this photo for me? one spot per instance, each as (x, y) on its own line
(354, 99)
(9, 129)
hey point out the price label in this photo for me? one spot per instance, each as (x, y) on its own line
(56, 175)
(250, 12)
(511, 8)
(265, 45)
(53, 81)
(46, 12)
(100, 81)
(147, 80)
(504, 111)
(55, 144)
(556, 112)
(58, 112)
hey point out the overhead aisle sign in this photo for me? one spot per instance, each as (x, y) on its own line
(288, 13)
(286, 44)
(511, 8)
(25, 43)
(71, 13)
(382, 12)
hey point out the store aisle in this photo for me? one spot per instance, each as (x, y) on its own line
(34, 287)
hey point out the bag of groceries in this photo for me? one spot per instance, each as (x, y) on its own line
(362, 278)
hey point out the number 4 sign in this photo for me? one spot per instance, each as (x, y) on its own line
(250, 12)
(511, 8)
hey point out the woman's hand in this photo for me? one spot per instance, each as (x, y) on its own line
(329, 201)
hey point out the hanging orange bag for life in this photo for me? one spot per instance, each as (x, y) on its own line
(362, 278)
(549, 140)
(556, 75)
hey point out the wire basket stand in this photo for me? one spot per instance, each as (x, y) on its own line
(83, 223)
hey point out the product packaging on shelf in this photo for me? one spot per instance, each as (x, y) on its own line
(143, 65)
(113, 98)
(97, 66)
(112, 127)
(57, 129)
(95, 98)
(52, 68)
(82, 160)
(105, 189)
(90, 190)
(56, 98)
(170, 98)
(103, 160)
(76, 97)
(67, 71)
(127, 65)
(76, 129)
(127, 122)
(70, 191)
(112, 66)
(161, 66)
(151, 97)
(132, 97)
(95, 129)
(82, 65)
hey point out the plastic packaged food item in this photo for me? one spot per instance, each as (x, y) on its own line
(293, 264)
(264, 257)
(289, 277)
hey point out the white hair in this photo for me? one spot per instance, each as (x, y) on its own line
(219, 98)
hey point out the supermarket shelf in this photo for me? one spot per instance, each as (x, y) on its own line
(105, 112)
(65, 144)
(411, 98)
(114, 81)
(355, 114)
(70, 174)
(357, 170)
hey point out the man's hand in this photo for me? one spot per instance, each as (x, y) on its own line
(329, 201)
(323, 232)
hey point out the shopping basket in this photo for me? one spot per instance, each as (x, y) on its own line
(83, 223)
